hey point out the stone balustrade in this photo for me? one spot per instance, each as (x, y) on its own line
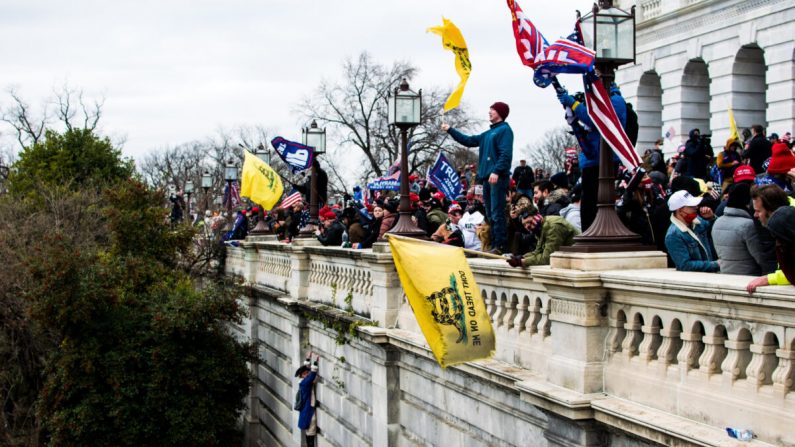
(658, 355)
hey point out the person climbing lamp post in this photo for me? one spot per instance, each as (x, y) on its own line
(230, 175)
(264, 154)
(610, 32)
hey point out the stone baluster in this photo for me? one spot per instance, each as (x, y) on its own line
(534, 316)
(784, 375)
(543, 323)
(510, 314)
(491, 305)
(737, 359)
(499, 313)
(714, 354)
(647, 350)
(615, 335)
(763, 362)
(691, 350)
(670, 346)
(631, 341)
(522, 315)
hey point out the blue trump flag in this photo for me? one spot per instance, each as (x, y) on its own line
(445, 177)
(298, 156)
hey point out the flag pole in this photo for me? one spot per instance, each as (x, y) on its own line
(466, 250)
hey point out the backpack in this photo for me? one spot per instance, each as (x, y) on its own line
(299, 402)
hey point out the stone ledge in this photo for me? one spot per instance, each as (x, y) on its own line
(594, 262)
(661, 427)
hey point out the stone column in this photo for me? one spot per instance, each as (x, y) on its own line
(387, 292)
(299, 278)
(385, 388)
(578, 328)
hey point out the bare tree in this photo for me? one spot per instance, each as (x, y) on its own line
(68, 107)
(549, 152)
(355, 112)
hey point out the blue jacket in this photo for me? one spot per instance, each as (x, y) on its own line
(589, 142)
(496, 149)
(686, 252)
(307, 411)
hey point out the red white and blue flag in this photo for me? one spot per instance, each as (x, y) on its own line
(603, 115)
(235, 194)
(291, 199)
(563, 56)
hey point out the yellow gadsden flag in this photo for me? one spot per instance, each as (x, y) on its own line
(454, 41)
(260, 182)
(446, 301)
(733, 127)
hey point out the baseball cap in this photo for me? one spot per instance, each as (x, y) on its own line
(682, 198)
(743, 173)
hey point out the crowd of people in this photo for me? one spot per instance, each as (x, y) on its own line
(729, 212)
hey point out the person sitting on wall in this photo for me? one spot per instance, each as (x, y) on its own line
(552, 232)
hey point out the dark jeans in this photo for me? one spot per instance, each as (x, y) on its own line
(494, 201)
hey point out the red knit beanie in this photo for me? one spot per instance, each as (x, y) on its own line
(782, 159)
(502, 109)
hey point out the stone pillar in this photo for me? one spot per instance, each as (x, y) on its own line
(250, 260)
(387, 292)
(714, 353)
(299, 280)
(385, 389)
(578, 328)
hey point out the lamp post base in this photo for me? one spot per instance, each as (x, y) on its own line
(308, 231)
(607, 234)
(406, 227)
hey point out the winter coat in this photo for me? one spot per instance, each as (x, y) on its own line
(556, 232)
(436, 217)
(333, 235)
(496, 149)
(356, 233)
(590, 141)
(523, 176)
(696, 157)
(759, 150)
(572, 214)
(691, 250)
(306, 387)
(557, 200)
(387, 222)
(737, 243)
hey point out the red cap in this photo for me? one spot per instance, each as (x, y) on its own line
(513, 184)
(744, 173)
(413, 178)
(414, 197)
(438, 195)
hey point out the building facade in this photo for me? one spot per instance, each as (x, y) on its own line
(698, 58)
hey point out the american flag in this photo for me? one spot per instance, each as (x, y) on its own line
(291, 199)
(235, 194)
(603, 115)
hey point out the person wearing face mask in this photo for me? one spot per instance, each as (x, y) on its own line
(688, 241)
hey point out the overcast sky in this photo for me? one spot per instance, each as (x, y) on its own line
(173, 71)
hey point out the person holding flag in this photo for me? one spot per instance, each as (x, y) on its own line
(494, 168)
(260, 183)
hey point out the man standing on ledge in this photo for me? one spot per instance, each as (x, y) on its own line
(494, 168)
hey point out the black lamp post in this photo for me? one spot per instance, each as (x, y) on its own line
(610, 32)
(314, 137)
(405, 111)
(207, 183)
(188, 191)
(264, 154)
(230, 175)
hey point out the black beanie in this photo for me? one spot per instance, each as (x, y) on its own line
(782, 224)
(687, 183)
(739, 196)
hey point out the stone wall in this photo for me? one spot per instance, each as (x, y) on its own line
(616, 357)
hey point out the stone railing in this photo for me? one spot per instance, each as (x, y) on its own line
(654, 352)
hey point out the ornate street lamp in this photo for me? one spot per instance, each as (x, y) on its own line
(264, 154)
(188, 190)
(610, 32)
(405, 111)
(207, 183)
(314, 137)
(230, 175)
